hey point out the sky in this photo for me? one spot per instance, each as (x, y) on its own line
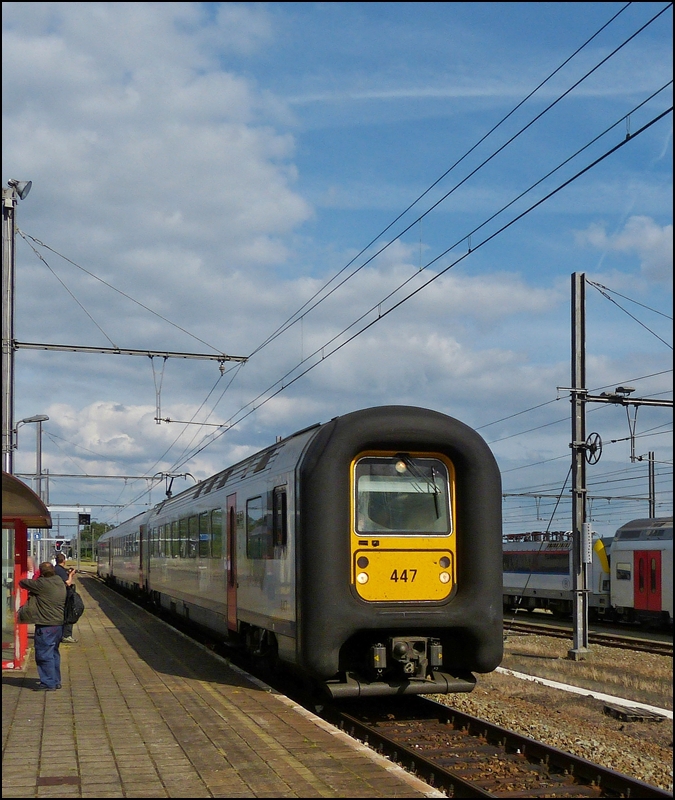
(375, 203)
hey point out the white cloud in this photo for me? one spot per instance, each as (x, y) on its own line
(165, 159)
(651, 242)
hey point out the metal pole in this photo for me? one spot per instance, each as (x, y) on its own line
(652, 484)
(580, 532)
(38, 462)
(8, 266)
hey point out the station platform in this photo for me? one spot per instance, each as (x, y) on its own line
(146, 712)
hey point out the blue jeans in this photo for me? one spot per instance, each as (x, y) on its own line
(47, 656)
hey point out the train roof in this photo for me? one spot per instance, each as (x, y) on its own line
(538, 536)
(250, 465)
(647, 528)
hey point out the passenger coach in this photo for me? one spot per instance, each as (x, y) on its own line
(642, 571)
(364, 553)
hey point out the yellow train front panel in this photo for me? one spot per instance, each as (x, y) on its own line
(402, 532)
(400, 575)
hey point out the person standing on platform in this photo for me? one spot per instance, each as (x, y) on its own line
(64, 574)
(45, 609)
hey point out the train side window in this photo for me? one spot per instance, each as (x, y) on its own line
(175, 539)
(165, 544)
(182, 537)
(193, 537)
(204, 535)
(279, 520)
(623, 572)
(257, 533)
(217, 533)
(652, 575)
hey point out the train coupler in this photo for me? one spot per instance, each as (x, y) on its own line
(416, 655)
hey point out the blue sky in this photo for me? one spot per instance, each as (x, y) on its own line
(220, 163)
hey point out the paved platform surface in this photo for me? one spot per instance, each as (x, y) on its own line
(145, 712)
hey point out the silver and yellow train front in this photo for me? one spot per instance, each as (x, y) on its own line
(403, 547)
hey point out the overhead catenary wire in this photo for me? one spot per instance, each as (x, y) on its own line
(294, 318)
(27, 236)
(605, 294)
(44, 261)
(630, 299)
(346, 329)
(285, 381)
(621, 10)
(378, 306)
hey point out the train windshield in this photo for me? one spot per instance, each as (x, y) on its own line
(402, 494)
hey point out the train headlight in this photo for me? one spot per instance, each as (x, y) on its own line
(444, 577)
(362, 577)
(401, 467)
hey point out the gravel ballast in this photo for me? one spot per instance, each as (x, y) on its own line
(575, 723)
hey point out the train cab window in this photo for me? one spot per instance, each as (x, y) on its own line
(204, 535)
(402, 494)
(279, 521)
(258, 538)
(217, 533)
(623, 572)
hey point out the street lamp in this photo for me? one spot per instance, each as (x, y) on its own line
(17, 190)
(39, 419)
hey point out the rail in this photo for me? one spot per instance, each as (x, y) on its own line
(470, 757)
(604, 639)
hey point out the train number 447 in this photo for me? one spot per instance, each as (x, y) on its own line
(404, 575)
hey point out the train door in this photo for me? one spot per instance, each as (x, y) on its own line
(231, 562)
(647, 580)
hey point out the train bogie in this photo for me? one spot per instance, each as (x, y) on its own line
(365, 553)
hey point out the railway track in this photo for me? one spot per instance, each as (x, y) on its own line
(604, 639)
(470, 757)
(464, 756)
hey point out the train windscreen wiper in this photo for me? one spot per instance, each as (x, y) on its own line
(430, 483)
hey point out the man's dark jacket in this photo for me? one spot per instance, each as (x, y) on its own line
(46, 600)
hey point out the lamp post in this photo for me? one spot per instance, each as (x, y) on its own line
(39, 419)
(16, 190)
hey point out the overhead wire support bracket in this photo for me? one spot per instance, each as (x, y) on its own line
(125, 351)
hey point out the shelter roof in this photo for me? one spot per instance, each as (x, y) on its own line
(20, 502)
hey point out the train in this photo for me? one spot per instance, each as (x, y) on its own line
(364, 553)
(630, 577)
